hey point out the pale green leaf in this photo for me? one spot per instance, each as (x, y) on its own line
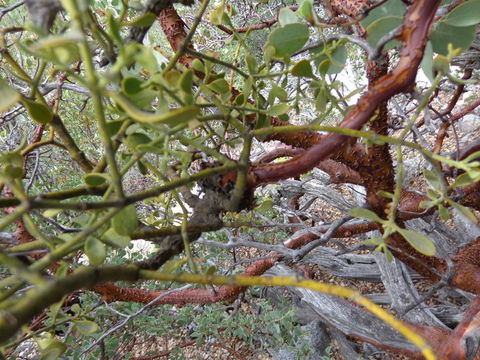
(96, 179)
(365, 214)
(265, 206)
(463, 180)
(377, 29)
(219, 86)
(390, 8)
(278, 109)
(465, 212)
(287, 16)
(420, 242)
(288, 39)
(95, 250)
(186, 81)
(52, 212)
(251, 64)
(305, 10)
(8, 96)
(115, 239)
(136, 139)
(303, 68)
(427, 61)
(466, 14)
(40, 113)
(459, 37)
(85, 327)
(433, 180)
(125, 221)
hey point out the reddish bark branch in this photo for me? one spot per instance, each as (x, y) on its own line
(414, 34)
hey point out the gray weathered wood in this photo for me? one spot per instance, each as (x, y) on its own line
(347, 317)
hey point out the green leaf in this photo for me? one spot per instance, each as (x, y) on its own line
(432, 195)
(114, 126)
(265, 206)
(13, 165)
(146, 58)
(365, 214)
(472, 157)
(334, 59)
(268, 53)
(251, 64)
(113, 28)
(8, 96)
(216, 15)
(427, 62)
(288, 39)
(173, 78)
(96, 179)
(278, 92)
(385, 194)
(52, 212)
(186, 81)
(278, 109)
(142, 21)
(115, 239)
(425, 204)
(54, 41)
(466, 14)
(287, 16)
(172, 117)
(303, 68)
(306, 11)
(136, 139)
(51, 349)
(433, 180)
(321, 100)
(463, 180)
(38, 112)
(377, 29)
(390, 8)
(95, 250)
(420, 242)
(465, 212)
(132, 85)
(220, 86)
(125, 221)
(388, 254)
(240, 99)
(459, 37)
(198, 66)
(85, 327)
(443, 211)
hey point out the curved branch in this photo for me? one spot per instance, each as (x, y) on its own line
(414, 34)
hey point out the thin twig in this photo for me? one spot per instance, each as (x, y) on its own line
(130, 317)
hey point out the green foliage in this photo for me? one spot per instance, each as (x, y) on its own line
(459, 36)
(466, 14)
(288, 39)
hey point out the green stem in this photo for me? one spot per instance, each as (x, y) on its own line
(241, 183)
(96, 97)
